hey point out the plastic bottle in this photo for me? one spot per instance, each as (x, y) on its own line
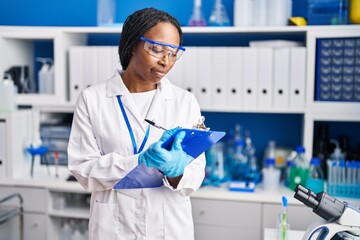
(279, 11)
(7, 94)
(66, 231)
(354, 14)
(271, 175)
(219, 16)
(289, 165)
(270, 151)
(299, 171)
(243, 13)
(337, 154)
(315, 180)
(252, 172)
(197, 18)
(106, 12)
(214, 171)
(238, 162)
(46, 76)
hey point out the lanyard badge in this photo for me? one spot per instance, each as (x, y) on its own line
(130, 129)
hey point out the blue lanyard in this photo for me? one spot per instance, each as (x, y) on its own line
(130, 129)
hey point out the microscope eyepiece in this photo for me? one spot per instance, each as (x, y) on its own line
(306, 196)
(325, 206)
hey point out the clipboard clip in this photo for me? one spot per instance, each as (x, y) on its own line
(201, 124)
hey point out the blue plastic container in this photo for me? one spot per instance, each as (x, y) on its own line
(328, 12)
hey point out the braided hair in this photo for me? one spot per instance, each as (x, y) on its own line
(136, 25)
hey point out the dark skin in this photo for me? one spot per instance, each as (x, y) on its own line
(144, 71)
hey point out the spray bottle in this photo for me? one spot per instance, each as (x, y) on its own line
(337, 155)
(197, 19)
(46, 76)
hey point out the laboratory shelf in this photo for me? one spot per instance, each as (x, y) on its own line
(71, 213)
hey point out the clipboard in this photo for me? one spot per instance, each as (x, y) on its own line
(194, 143)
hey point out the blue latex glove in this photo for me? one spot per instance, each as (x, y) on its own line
(173, 162)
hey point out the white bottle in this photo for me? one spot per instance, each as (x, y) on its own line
(46, 76)
(279, 12)
(271, 175)
(244, 13)
(7, 95)
(337, 155)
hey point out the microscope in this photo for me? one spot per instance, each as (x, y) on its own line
(341, 220)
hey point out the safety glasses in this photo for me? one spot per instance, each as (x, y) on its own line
(161, 50)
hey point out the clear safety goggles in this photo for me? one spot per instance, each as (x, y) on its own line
(161, 50)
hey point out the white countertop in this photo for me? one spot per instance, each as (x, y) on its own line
(208, 192)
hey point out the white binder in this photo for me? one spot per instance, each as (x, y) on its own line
(76, 72)
(250, 77)
(281, 78)
(191, 68)
(176, 74)
(104, 60)
(204, 77)
(297, 77)
(90, 66)
(265, 78)
(219, 76)
(234, 84)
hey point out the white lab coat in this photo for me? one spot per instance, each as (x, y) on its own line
(100, 153)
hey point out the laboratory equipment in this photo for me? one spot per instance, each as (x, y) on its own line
(283, 233)
(197, 18)
(271, 175)
(244, 13)
(252, 172)
(315, 180)
(219, 16)
(299, 170)
(106, 12)
(7, 94)
(279, 12)
(41, 151)
(8, 210)
(46, 75)
(354, 13)
(340, 219)
(343, 178)
(21, 78)
(215, 171)
(327, 12)
(337, 154)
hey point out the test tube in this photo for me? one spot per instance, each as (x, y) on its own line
(335, 171)
(342, 172)
(330, 171)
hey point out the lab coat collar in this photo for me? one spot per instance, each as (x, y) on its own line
(115, 86)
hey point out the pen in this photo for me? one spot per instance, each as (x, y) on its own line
(154, 124)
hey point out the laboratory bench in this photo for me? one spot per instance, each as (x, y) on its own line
(218, 212)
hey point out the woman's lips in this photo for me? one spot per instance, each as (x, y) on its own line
(159, 73)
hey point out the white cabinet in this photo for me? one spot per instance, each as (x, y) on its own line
(3, 151)
(227, 220)
(15, 137)
(34, 213)
(70, 208)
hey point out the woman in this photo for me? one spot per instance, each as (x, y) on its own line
(110, 137)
